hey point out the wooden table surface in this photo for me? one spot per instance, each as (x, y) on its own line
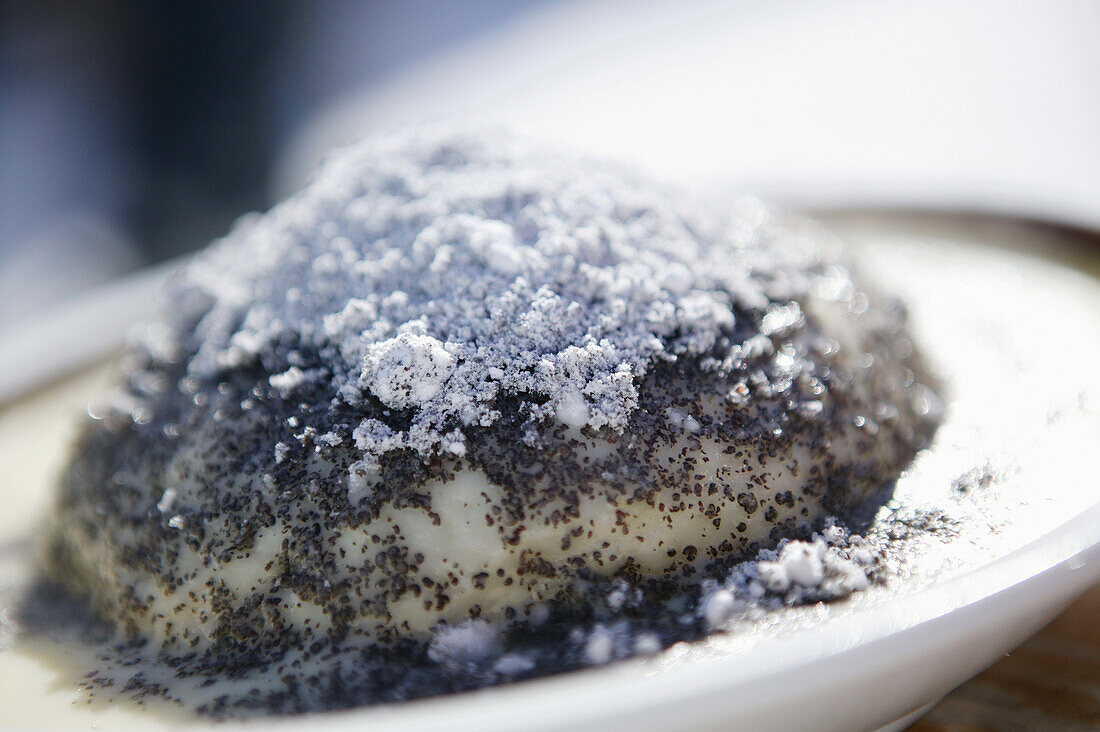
(1051, 682)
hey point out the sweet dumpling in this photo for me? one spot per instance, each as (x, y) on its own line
(455, 375)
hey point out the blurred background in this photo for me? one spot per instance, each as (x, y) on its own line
(133, 132)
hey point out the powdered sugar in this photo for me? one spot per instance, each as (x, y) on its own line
(717, 607)
(460, 645)
(437, 272)
(831, 565)
(600, 646)
(406, 371)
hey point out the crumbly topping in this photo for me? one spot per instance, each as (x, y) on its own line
(459, 385)
(436, 274)
(407, 371)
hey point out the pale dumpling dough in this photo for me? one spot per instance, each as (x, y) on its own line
(457, 374)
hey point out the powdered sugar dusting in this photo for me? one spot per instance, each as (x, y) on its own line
(435, 273)
(830, 565)
(406, 371)
(463, 644)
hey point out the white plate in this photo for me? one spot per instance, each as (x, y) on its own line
(861, 664)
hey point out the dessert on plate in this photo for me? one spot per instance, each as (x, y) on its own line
(461, 383)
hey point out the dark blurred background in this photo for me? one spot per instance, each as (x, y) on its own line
(131, 132)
